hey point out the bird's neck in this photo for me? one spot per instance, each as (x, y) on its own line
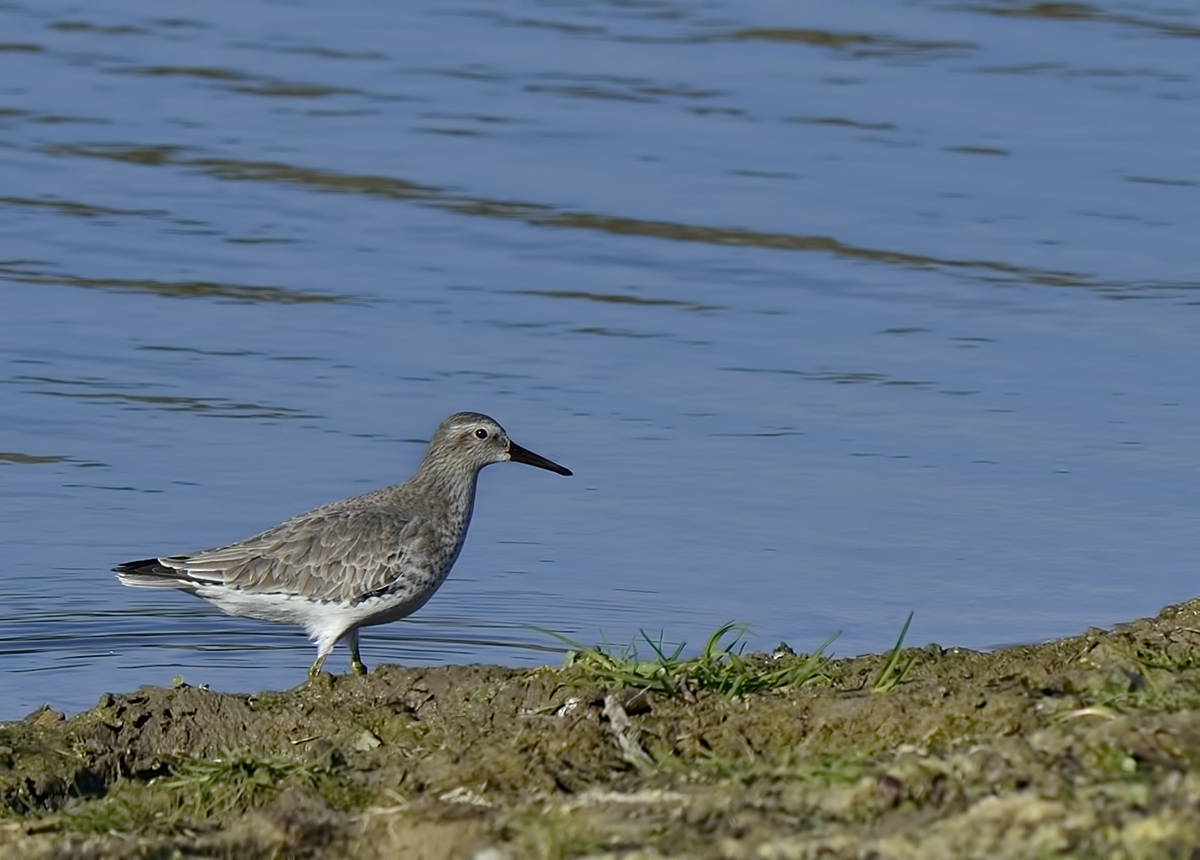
(453, 487)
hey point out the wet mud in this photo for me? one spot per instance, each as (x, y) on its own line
(1084, 747)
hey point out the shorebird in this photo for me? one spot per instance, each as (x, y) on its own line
(368, 560)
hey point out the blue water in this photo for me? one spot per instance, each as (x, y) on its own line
(836, 311)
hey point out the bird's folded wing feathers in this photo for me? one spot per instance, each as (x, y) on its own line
(331, 555)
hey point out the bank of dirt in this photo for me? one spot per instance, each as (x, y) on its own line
(1084, 747)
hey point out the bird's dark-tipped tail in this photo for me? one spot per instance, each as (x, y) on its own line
(149, 573)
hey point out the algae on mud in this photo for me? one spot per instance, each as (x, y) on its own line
(1082, 747)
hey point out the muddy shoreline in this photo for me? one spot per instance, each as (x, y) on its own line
(1087, 746)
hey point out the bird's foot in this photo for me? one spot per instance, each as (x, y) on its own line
(358, 667)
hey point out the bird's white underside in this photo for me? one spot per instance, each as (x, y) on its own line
(325, 622)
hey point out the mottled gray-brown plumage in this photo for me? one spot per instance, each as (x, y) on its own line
(362, 561)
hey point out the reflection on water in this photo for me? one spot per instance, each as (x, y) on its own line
(13, 457)
(858, 44)
(204, 406)
(783, 285)
(175, 289)
(621, 299)
(536, 214)
(66, 207)
(168, 629)
(1086, 12)
(844, 378)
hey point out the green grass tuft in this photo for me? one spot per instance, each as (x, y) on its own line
(198, 791)
(238, 780)
(894, 669)
(721, 666)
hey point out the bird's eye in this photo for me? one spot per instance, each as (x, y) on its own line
(481, 433)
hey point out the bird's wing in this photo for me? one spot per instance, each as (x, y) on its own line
(324, 555)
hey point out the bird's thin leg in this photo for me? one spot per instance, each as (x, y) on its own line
(324, 646)
(315, 668)
(356, 662)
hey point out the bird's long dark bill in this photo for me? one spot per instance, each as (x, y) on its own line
(523, 455)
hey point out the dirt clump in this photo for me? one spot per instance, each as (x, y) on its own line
(1087, 746)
